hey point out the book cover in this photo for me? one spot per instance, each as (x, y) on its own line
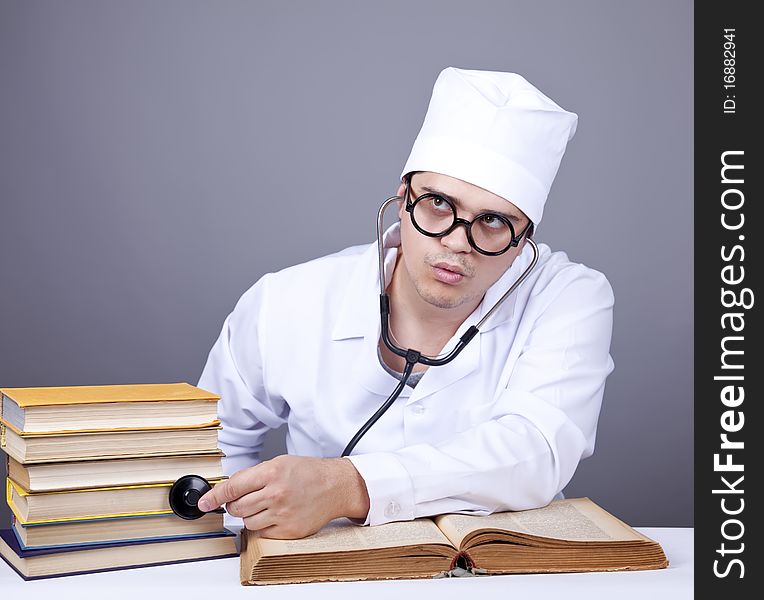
(33, 448)
(99, 394)
(139, 553)
(95, 545)
(86, 504)
(121, 529)
(56, 410)
(73, 475)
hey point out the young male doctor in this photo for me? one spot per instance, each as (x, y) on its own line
(503, 426)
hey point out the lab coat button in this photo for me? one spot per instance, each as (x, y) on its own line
(418, 409)
(392, 509)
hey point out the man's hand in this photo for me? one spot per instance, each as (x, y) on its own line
(291, 497)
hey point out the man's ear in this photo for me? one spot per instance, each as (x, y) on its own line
(401, 203)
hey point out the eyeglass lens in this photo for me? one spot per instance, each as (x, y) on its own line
(436, 216)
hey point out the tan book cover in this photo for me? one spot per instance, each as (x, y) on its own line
(90, 394)
(92, 503)
(110, 530)
(51, 477)
(55, 410)
(39, 564)
(105, 445)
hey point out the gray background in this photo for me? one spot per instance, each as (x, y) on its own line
(156, 158)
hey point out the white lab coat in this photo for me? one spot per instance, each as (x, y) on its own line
(502, 427)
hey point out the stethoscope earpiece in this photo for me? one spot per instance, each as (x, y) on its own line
(185, 494)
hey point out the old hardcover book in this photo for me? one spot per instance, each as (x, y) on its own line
(41, 563)
(81, 533)
(53, 410)
(49, 477)
(104, 445)
(95, 503)
(574, 535)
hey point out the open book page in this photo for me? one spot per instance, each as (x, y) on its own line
(577, 519)
(342, 535)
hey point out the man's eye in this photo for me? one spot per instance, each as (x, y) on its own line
(492, 221)
(440, 204)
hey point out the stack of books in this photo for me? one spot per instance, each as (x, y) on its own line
(89, 474)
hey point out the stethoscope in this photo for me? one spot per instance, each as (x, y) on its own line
(185, 493)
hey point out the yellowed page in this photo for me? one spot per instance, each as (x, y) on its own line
(577, 519)
(341, 535)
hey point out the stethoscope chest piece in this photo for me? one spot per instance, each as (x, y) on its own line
(185, 494)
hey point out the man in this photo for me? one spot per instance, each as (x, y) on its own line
(504, 425)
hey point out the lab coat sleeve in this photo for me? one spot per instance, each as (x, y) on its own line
(234, 371)
(542, 424)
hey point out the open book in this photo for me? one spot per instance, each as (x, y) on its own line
(566, 536)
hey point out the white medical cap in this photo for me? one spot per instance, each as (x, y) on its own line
(496, 131)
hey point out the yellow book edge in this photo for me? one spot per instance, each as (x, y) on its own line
(100, 394)
(5, 423)
(12, 486)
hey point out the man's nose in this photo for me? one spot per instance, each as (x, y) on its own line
(457, 240)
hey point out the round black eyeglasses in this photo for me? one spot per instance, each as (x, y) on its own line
(489, 233)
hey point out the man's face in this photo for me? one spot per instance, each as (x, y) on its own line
(447, 272)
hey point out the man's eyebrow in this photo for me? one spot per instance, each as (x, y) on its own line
(455, 201)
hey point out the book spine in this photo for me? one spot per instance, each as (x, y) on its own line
(462, 559)
(2, 424)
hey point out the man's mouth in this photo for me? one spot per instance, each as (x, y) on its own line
(447, 273)
(449, 267)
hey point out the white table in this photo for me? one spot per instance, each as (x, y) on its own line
(219, 580)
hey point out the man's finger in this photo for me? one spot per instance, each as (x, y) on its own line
(218, 495)
(248, 504)
(261, 520)
(239, 484)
